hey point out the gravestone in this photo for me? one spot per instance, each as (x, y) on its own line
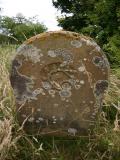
(59, 80)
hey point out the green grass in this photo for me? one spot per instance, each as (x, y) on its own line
(15, 144)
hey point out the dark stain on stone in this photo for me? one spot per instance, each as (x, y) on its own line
(16, 63)
(20, 82)
(75, 124)
(30, 127)
(100, 87)
(99, 61)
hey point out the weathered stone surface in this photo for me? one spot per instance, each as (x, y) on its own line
(59, 80)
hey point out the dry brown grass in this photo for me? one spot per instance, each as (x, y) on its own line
(6, 106)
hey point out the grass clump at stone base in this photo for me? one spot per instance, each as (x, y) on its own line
(15, 144)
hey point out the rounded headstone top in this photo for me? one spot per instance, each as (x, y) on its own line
(59, 80)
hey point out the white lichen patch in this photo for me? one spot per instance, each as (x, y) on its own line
(41, 119)
(76, 43)
(67, 100)
(66, 55)
(77, 80)
(53, 96)
(54, 122)
(53, 117)
(90, 42)
(61, 118)
(76, 110)
(30, 52)
(46, 85)
(51, 53)
(91, 102)
(81, 69)
(76, 83)
(83, 102)
(86, 111)
(106, 61)
(85, 59)
(56, 105)
(82, 82)
(93, 114)
(97, 48)
(51, 92)
(31, 119)
(39, 91)
(72, 81)
(77, 86)
(72, 131)
(39, 110)
(66, 85)
(65, 93)
(37, 121)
